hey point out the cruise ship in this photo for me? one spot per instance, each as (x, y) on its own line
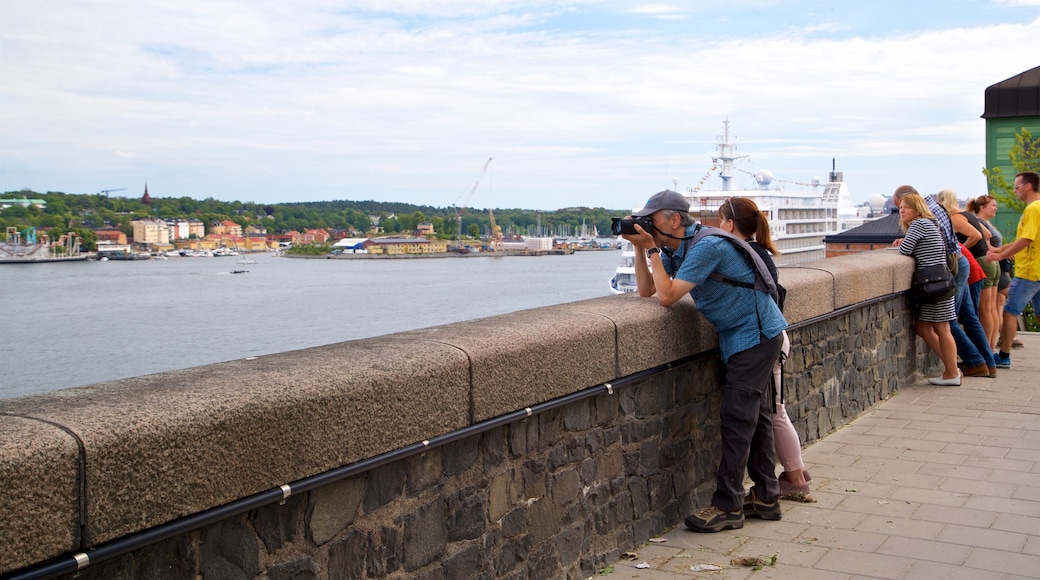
(800, 216)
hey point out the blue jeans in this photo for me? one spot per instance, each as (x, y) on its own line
(972, 344)
(1021, 292)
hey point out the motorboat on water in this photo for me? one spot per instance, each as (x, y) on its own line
(800, 217)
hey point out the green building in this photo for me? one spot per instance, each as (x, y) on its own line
(1010, 105)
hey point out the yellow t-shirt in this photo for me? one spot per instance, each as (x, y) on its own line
(1027, 261)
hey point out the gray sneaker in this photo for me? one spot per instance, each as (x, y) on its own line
(712, 519)
(756, 508)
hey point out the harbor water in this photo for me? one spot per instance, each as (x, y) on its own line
(77, 323)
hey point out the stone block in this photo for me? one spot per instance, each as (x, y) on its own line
(810, 292)
(39, 471)
(333, 507)
(425, 535)
(850, 282)
(638, 323)
(172, 444)
(524, 358)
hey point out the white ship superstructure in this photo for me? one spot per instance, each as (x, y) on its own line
(800, 215)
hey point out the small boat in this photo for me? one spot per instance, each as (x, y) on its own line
(239, 271)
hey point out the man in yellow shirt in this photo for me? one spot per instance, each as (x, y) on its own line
(1026, 249)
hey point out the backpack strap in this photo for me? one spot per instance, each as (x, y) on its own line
(763, 279)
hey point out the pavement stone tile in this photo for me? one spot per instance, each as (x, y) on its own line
(844, 487)
(918, 497)
(917, 418)
(975, 450)
(782, 530)
(925, 570)
(929, 457)
(653, 554)
(942, 427)
(826, 517)
(901, 528)
(868, 451)
(1016, 523)
(1002, 415)
(787, 553)
(974, 537)
(829, 459)
(822, 447)
(927, 550)
(864, 565)
(954, 437)
(1021, 454)
(949, 412)
(850, 540)
(1005, 506)
(875, 422)
(893, 508)
(1026, 492)
(694, 543)
(1000, 464)
(974, 487)
(882, 464)
(1032, 546)
(1017, 478)
(843, 438)
(999, 430)
(904, 479)
(625, 570)
(947, 515)
(961, 471)
(1021, 564)
(897, 432)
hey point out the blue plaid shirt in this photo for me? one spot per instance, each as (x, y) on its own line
(740, 315)
(945, 225)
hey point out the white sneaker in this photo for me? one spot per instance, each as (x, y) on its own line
(954, 382)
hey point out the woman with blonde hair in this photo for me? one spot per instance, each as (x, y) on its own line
(991, 299)
(742, 218)
(924, 243)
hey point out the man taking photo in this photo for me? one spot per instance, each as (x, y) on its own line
(720, 278)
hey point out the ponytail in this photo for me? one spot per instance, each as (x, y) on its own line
(748, 221)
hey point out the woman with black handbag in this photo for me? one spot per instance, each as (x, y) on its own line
(924, 243)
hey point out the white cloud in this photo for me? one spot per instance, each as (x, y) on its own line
(404, 100)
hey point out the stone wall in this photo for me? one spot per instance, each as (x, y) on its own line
(562, 490)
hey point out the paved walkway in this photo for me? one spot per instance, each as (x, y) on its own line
(936, 482)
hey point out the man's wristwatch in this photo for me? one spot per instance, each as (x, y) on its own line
(652, 251)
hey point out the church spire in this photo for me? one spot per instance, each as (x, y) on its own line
(146, 199)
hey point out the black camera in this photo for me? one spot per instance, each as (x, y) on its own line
(620, 226)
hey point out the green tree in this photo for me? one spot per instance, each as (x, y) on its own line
(1024, 156)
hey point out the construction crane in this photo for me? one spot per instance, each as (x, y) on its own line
(458, 212)
(105, 193)
(496, 233)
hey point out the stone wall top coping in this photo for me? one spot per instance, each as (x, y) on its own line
(163, 446)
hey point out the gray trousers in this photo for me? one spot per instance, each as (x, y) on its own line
(747, 427)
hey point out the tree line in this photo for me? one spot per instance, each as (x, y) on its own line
(83, 213)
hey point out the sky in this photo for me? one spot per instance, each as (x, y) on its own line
(577, 102)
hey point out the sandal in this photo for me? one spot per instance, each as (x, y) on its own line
(787, 488)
